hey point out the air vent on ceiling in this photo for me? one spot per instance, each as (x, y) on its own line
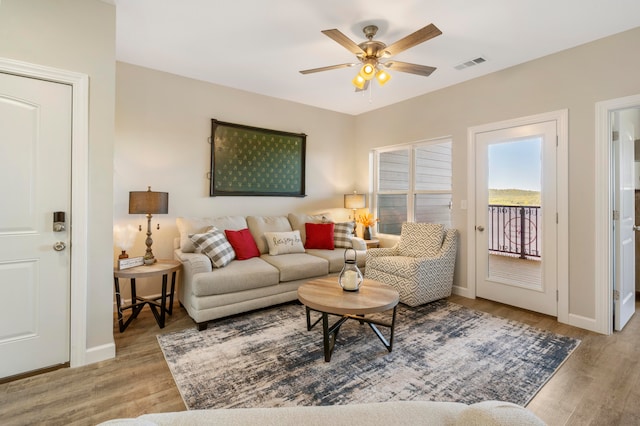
(471, 63)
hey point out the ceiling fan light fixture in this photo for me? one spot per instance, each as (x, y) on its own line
(368, 71)
(383, 77)
(359, 81)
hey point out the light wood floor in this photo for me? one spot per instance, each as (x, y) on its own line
(598, 385)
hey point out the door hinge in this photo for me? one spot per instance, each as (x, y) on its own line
(557, 143)
(616, 295)
(616, 215)
(557, 295)
(557, 218)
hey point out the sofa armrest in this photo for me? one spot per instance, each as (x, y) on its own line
(358, 243)
(193, 263)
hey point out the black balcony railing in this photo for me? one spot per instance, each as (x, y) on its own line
(515, 230)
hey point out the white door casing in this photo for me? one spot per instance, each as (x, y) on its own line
(602, 322)
(536, 293)
(79, 354)
(35, 155)
(624, 233)
(562, 278)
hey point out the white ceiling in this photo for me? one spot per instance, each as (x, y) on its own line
(260, 45)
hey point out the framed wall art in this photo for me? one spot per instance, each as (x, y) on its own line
(253, 161)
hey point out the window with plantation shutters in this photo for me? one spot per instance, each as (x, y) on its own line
(412, 183)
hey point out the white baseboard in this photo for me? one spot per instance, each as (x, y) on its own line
(100, 353)
(463, 291)
(587, 323)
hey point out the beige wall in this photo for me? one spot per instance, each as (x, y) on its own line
(575, 80)
(79, 36)
(163, 121)
(162, 125)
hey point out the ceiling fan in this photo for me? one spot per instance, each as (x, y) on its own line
(374, 54)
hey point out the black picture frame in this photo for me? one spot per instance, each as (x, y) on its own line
(252, 161)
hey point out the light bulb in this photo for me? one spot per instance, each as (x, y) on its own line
(382, 76)
(368, 71)
(358, 81)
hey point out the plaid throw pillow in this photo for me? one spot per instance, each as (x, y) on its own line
(214, 244)
(342, 234)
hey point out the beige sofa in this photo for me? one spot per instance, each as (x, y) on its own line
(209, 292)
(494, 413)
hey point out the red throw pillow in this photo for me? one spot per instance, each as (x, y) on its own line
(319, 236)
(243, 243)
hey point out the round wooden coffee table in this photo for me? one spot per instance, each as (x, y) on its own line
(324, 295)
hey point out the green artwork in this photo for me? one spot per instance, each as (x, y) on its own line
(252, 161)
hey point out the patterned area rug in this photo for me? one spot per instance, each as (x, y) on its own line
(441, 352)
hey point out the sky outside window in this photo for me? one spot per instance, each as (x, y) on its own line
(516, 165)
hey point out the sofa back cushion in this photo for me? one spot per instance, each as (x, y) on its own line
(420, 239)
(198, 225)
(298, 220)
(258, 225)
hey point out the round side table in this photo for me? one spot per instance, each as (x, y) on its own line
(158, 305)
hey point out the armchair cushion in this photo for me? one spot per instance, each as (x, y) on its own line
(420, 239)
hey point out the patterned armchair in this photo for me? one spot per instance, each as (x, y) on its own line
(420, 266)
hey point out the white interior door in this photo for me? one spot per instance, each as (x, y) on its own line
(516, 247)
(624, 204)
(35, 164)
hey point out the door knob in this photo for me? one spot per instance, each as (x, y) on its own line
(59, 246)
(636, 228)
(480, 228)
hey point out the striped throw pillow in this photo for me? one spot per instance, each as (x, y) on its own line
(215, 246)
(342, 234)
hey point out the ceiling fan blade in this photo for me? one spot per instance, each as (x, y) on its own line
(330, 67)
(410, 68)
(365, 87)
(420, 36)
(344, 41)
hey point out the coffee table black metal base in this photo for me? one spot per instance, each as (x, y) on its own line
(330, 332)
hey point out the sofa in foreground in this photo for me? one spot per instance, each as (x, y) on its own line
(494, 413)
(235, 264)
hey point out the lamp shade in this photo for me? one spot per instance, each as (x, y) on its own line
(148, 202)
(355, 201)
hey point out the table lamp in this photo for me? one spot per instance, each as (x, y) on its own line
(355, 201)
(148, 202)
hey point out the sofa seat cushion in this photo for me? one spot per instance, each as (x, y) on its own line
(336, 258)
(239, 275)
(297, 266)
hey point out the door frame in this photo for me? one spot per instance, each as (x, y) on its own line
(603, 321)
(79, 194)
(562, 193)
